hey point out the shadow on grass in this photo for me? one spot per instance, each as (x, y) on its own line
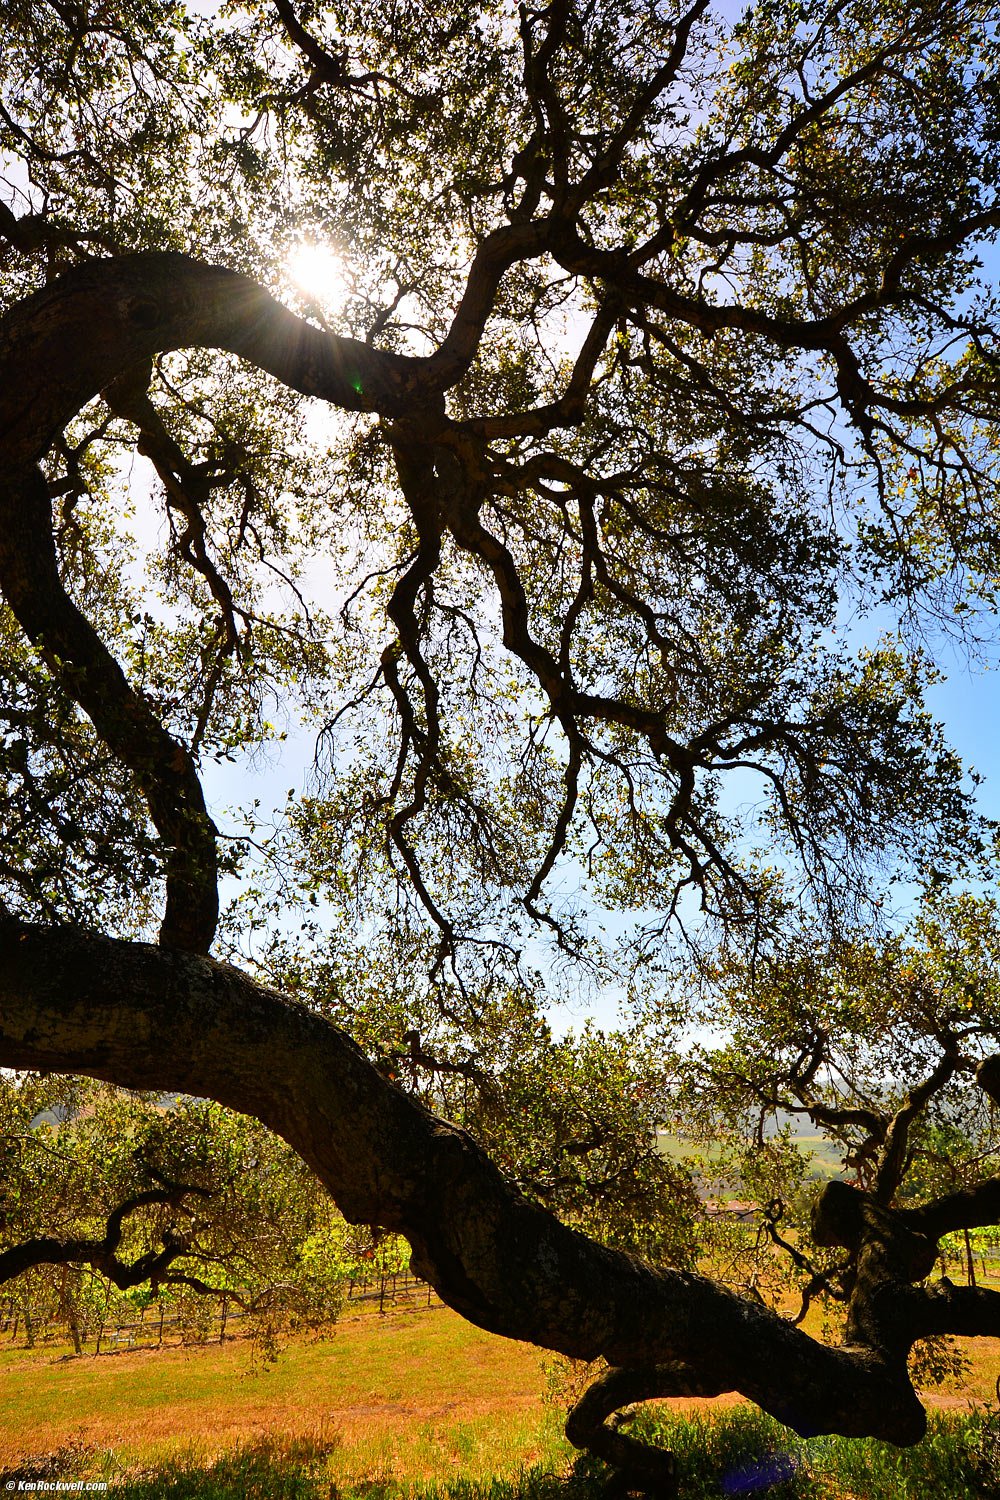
(720, 1456)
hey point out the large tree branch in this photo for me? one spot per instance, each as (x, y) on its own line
(964, 1311)
(145, 1017)
(894, 1248)
(93, 326)
(62, 346)
(892, 1167)
(971, 1207)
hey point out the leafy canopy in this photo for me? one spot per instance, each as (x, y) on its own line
(722, 375)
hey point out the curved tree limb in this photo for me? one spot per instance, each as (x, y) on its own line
(150, 1018)
(60, 347)
(893, 1164)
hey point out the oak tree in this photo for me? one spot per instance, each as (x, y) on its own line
(594, 513)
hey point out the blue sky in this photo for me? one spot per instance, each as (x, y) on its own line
(967, 704)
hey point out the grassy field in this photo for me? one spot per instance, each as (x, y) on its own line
(415, 1403)
(421, 1394)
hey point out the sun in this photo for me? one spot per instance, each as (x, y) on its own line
(317, 269)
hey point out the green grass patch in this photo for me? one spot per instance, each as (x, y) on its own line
(263, 1471)
(257, 1474)
(743, 1452)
